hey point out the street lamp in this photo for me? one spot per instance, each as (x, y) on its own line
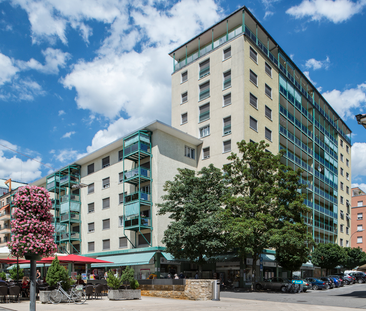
(78, 186)
(356, 232)
(361, 119)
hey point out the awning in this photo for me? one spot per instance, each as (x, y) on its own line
(125, 260)
(268, 257)
(168, 256)
(27, 266)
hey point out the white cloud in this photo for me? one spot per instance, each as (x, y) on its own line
(54, 59)
(68, 134)
(317, 64)
(336, 11)
(61, 112)
(362, 186)
(66, 155)
(268, 14)
(7, 69)
(26, 90)
(344, 102)
(358, 160)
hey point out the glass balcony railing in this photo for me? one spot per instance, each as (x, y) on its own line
(136, 196)
(140, 171)
(296, 121)
(138, 221)
(72, 216)
(67, 198)
(136, 147)
(71, 235)
(295, 140)
(325, 211)
(297, 160)
(69, 178)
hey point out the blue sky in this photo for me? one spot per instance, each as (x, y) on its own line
(78, 74)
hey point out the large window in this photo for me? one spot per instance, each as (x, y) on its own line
(268, 91)
(227, 79)
(106, 203)
(253, 77)
(90, 168)
(189, 152)
(106, 244)
(184, 118)
(90, 247)
(253, 123)
(205, 68)
(253, 101)
(184, 76)
(227, 53)
(91, 188)
(204, 112)
(105, 162)
(204, 90)
(91, 207)
(268, 134)
(106, 224)
(206, 153)
(205, 131)
(359, 239)
(227, 125)
(227, 146)
(105, 183)
(227, 99)
(91, 227)
(123, 242)
(184, 97)
(253, 54)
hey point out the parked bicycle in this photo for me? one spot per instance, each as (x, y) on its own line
(76, 295)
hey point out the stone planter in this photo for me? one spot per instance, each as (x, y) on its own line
(118, 294)
(44, 296)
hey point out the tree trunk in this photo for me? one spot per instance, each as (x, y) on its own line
(254, 270)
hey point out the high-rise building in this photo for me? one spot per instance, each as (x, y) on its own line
(233, 82)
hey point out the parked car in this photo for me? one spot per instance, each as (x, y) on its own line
(273, 284)
(329, 281)
(342, 282)
(360, 276)
(305, 285)
(346, 278)
(337, 282)
(317, 283)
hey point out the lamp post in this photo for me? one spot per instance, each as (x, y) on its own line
(361, 119)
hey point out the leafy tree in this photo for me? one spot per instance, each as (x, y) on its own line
(264, 203)
(3, 275)
(355, 257)
(57, 273)
(113, 281)
(328, 256)
(14, 275)
(193, 202)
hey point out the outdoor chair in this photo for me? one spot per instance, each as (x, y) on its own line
(89, 291)
(98, 291)
(3, 293)
(105, 289)
(14, 292)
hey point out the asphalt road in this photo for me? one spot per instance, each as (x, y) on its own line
(349, 296)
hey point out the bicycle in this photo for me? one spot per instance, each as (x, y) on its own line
(77, 295)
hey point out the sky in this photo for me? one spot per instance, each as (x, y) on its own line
(76, 75)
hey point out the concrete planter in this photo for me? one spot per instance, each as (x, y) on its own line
(44, 296)
(118, 294)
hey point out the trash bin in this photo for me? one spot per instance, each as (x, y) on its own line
(216, 290)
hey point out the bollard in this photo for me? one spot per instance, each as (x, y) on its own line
(216, 290)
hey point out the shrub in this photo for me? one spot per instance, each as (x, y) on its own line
(3, 275)
(13, 273)
(134, 284)
(57, 273)
(113, 281)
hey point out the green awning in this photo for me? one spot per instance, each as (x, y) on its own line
(27, 266)
(168, 256)
(268, 257)
(125, 260)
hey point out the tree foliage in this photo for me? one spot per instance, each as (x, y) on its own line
(193, 202)
(355, 257)
(328, 256)
(57, 273)
(14, 275)
(264, 206)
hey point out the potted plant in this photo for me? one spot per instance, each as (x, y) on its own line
(114, 282)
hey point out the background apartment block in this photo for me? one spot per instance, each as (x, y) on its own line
(233, 82)
(359, 217)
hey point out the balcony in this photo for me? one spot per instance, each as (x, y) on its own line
(53, 182)
(70, 236)
(72, 179)
(136, 222)
(129, 198)
(138, 174)
(5, 215)
(70, 203)
(71, 216)
(5, 229)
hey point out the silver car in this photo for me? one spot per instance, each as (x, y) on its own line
(273, 284)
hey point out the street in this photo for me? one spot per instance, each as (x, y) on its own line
(346, 297)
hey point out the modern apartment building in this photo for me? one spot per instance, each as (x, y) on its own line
(358, 214)
(233, 82)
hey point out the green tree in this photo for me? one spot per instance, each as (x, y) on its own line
(355, 257)
(193, 202)
(57, 273)
(113, 281)
(263, 203)
(328, 256)
(13, 273)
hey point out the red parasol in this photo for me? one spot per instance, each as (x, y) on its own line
(74, 259)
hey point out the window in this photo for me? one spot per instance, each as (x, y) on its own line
(120, 198)
(144, 239)
(227, 146)
(253, 124)
(120, 155)
(347, 243)
(347, 230)
(342, 173)
(90, 247)
(205, 90)
(268, 69)
(341, 142)
(253, 101)
(341, 185)
(359, 239)
(123, 242)
(106, 203)
(205, 68)
(227, 53)
(227, 99)
(253, 54)
(347, 162)
(184, 118)
(189, 152)
(360, 203)
(268, 113)
(120, 221)
(342, 157)
(341, 242)
(105, 183)
(205, 131)
(268, 91)
(342, 215)
(347, 176)
(359, 216)
(342, 202)
(206, 153)
(341, 228)
(347, 149)
(184, 97)
(268, 134)
(120, 177)
(227, 125)
(253, 77)
(347, 189)
(90, 207)
(90, 168)
(105, 162)
(91, 188)
(359, 228)
(227, 79)
(106, 244)
(106, 224)
(184, 76)
(91, 227)
(204, 112)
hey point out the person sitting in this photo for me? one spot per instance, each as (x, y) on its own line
(25, 286)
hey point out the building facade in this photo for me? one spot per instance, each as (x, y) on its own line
(234, 82)
(358, 215)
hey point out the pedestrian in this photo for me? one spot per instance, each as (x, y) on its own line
(38, 275)
(176, 277)
(196, 276)
(182, 276)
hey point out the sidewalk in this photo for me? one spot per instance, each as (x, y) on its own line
(162, 304)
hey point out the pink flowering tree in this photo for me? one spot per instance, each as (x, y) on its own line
(31, 227)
